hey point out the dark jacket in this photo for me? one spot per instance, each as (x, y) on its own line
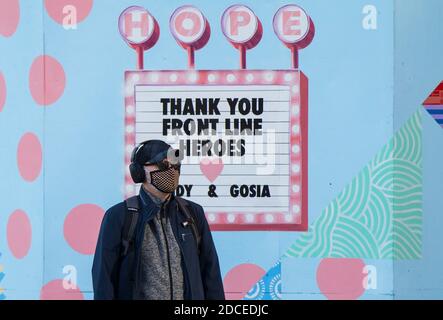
(116, 277)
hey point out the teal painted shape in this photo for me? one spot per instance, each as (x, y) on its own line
(378, 215)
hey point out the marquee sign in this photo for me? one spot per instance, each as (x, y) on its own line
(242, 134)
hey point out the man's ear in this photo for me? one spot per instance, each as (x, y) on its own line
(148, 175)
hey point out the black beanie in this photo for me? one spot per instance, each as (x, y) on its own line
(151, 151)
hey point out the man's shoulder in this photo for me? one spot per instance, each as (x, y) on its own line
(117, 212)
(118, 207)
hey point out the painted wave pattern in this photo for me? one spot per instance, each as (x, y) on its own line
(268, 287)
(379, 214)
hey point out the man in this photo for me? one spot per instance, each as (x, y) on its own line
(171, 254)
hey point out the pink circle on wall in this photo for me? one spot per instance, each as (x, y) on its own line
(54, 290)
(240, 279)
(46, 80)
(19, 234)
(2, 91)
(9, 17)
(29, 157)
(81, 227)
(341, 279)
(58, 10)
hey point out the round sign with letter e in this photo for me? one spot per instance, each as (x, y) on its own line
(293, 26)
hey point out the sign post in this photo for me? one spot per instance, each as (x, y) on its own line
(190, 29)
(242, 28)
(295, 29)
(139, 30)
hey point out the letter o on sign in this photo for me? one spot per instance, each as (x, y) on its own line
(241, 26)
(189, 27)
(293, 26)
(138, 27)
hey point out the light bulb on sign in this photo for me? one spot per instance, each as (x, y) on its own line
(139, 29)
(294, 28)
(242, 28)
(190, 29)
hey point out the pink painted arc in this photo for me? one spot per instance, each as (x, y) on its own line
(19, 234)
(29, 157)
(81, 227)
(9, 17)
(341, 279)
(59, 10)
(2, 91)
(59, 289)
(240, 279)
(46, 80)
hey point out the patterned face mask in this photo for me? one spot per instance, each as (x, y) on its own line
(165, 180)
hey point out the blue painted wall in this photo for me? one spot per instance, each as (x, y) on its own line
(364, 85)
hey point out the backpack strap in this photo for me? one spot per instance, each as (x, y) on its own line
(186, 209)
(131, 218)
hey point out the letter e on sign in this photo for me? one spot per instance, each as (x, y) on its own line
(292, 25)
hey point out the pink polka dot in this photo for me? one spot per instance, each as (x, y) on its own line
(2, 91)
(341, 279)
(81, 227)
(240, 279)
(9, 17)
(46, 80)
(55, 9)
(54, 290)
(29, 157)
(19, 234)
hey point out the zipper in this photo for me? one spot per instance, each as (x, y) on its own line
(163, 220)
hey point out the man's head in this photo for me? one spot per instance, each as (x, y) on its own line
(155, 163)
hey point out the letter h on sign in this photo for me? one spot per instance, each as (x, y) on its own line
(135, 26)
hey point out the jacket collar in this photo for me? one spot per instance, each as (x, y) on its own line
(149, 202)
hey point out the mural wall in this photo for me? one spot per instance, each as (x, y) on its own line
(369, 96)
